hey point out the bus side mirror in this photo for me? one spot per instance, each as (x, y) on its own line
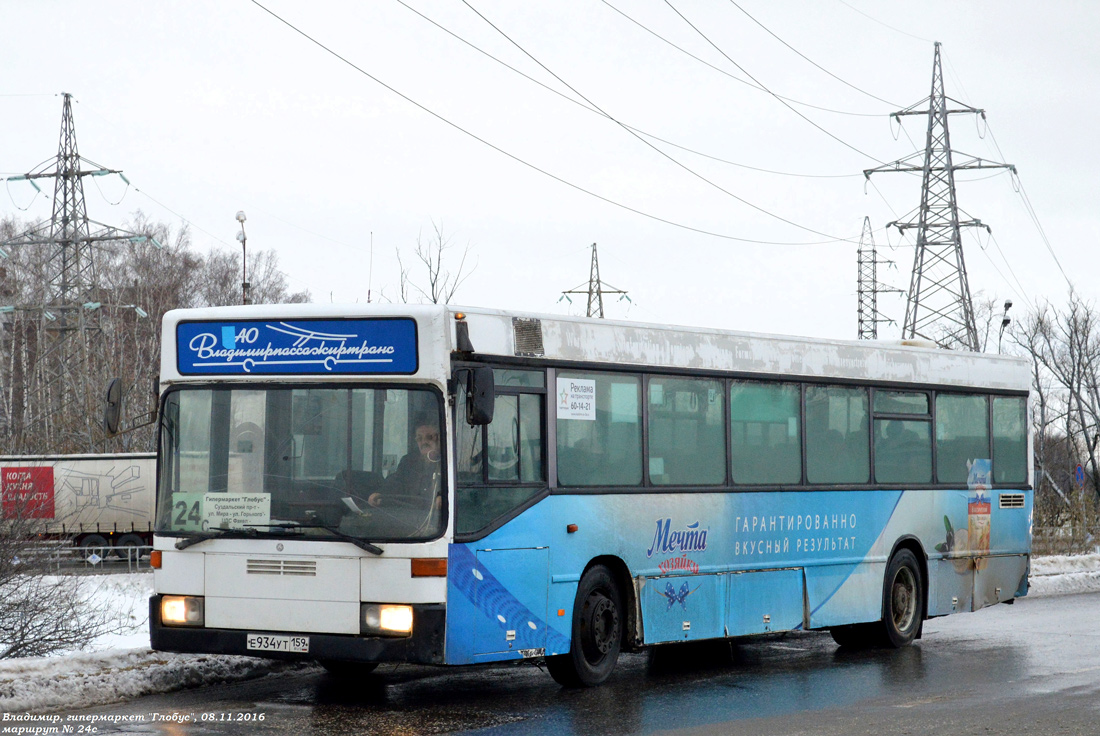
(480, 395)
(112, 406)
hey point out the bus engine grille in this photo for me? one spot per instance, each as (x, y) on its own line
(1012, 500)
(282, 567)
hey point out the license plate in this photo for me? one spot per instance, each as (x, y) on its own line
(266, 643)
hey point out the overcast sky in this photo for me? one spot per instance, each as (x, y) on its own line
(215, 107)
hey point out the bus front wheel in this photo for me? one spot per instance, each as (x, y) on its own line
(597, 633)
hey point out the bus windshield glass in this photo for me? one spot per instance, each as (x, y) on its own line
(311, 462)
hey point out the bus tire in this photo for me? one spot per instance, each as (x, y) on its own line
(597, 633)
(902, 600)
(856, 636)
(348, 670)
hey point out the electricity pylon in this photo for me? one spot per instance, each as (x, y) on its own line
(868, 287)
(939, 306)
(50, 339)
(595, 289)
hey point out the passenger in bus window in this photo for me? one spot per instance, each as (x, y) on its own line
(418, 474)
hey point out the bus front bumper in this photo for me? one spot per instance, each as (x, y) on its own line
(424, 646)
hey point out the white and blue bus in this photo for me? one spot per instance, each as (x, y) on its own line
(398, 483)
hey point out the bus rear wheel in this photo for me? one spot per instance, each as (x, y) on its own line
(856, 636)
(597, 632)
(902, 609)
(902, 600)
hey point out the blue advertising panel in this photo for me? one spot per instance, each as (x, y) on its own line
(297, 347)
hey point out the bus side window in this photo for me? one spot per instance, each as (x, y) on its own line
(600, 438)
(686, 432)
(500, 466)
(962, 435)
(766, 440)
(1009, 439)
(837, 435)
(903, 437)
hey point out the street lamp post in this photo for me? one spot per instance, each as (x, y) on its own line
(1005, 322)
(244, 260)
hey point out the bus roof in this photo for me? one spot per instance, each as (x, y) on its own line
(613, 342)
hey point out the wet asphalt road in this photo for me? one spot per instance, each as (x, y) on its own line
(1030, 668)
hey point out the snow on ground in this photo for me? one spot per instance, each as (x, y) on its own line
(1064, 574)
(120, 666)
(117, 666)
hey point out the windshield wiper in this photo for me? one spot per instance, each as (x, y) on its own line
(360, 543)
(196, 537)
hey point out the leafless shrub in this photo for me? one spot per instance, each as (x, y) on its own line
(40, 613)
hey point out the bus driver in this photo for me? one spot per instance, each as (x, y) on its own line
(417, 475)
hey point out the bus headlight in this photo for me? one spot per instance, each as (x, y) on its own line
(182, 610)
(384, 619)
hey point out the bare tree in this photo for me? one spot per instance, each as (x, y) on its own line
(138, 283)
(441, 283)
(1064, 347)
(43, 614)
(219, 280)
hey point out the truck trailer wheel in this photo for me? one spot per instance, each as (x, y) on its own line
(94, 544)
(127, 547)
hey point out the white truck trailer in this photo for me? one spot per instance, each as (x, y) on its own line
(96, 501)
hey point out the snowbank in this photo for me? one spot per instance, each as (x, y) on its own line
(99, 678)
(120, 666)
(117, 666)
(1065, 574)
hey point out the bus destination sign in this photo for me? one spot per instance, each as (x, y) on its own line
(297, 347)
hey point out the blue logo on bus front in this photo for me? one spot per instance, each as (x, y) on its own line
(320, 347)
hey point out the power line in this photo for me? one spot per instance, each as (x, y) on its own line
(683, 166)
(885, 25)
(519, 160)
(765, 88)
(809, 60)
(1022, 292)
(939, 306)
(1018, 186)
(181, 217)
(593, 110)
(60, 328)
(734, 77)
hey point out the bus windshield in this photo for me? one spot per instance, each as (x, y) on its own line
(311, 462)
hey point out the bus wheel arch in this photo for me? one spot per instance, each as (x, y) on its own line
(597, 625)
(632, 633)
(913, 544)
(904, 596)
(908, 554)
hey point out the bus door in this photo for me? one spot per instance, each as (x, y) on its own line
(500, 473)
